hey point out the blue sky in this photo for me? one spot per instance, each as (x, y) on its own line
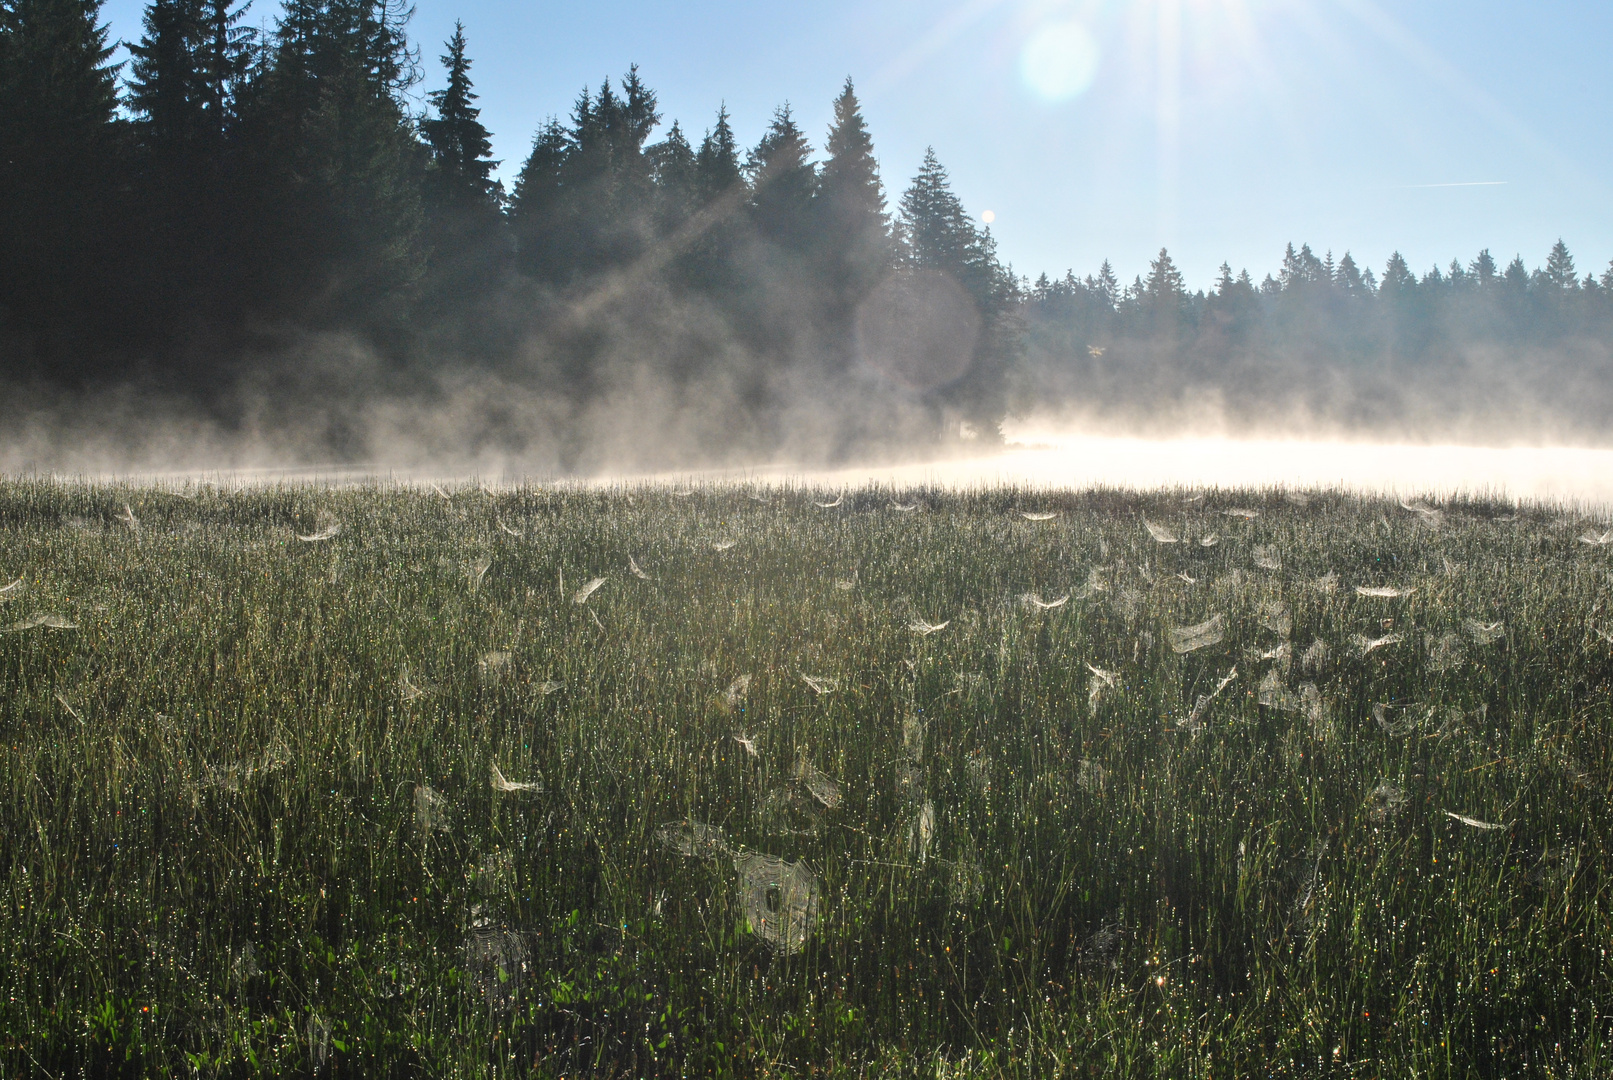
(1107, 128)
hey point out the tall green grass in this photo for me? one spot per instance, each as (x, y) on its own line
(249, 826)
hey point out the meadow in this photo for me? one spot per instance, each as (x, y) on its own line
(766, 781)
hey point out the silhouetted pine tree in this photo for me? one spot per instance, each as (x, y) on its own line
(853, 227)
(165, 89)
(783, 181)
(468, 241)
(720, 193)
(938, 236)
(61, 155)
(1559, 270)
(717, 163)
(461, 148)
(536, 205)
(672, 169)
(340, 215)
(186, 71)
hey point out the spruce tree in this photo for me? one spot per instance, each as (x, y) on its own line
(60, 164)
(461, 148)
(327, 130)
(672, 169)
(1165, 283)
(854, 227)
(1483, 269)
(935, 231)
(1397, 276)
(165, 88)
(1559, 272)
(535, 204)
(783, 181)
(1348, 277)
(717, 170)
(1106, 285)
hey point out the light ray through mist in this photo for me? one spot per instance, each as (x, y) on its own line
(942, 33)
(1168, 117)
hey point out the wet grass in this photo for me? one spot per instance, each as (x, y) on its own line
(252, 824)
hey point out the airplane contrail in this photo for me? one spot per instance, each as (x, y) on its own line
(1462, 183)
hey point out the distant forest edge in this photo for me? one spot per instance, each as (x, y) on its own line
(253, 226)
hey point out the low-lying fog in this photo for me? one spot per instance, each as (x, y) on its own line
(1043, 456)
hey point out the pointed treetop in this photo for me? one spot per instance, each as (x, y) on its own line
(1560, 267)
(717, 162)
(461, 147)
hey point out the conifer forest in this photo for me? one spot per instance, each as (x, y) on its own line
(242, 215)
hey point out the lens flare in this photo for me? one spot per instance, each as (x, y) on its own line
(1059, 61)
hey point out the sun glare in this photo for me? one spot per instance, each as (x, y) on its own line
(1060, 61)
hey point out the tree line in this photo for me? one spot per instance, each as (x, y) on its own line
(232, 188)
(1481, 350)
(236, 199)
